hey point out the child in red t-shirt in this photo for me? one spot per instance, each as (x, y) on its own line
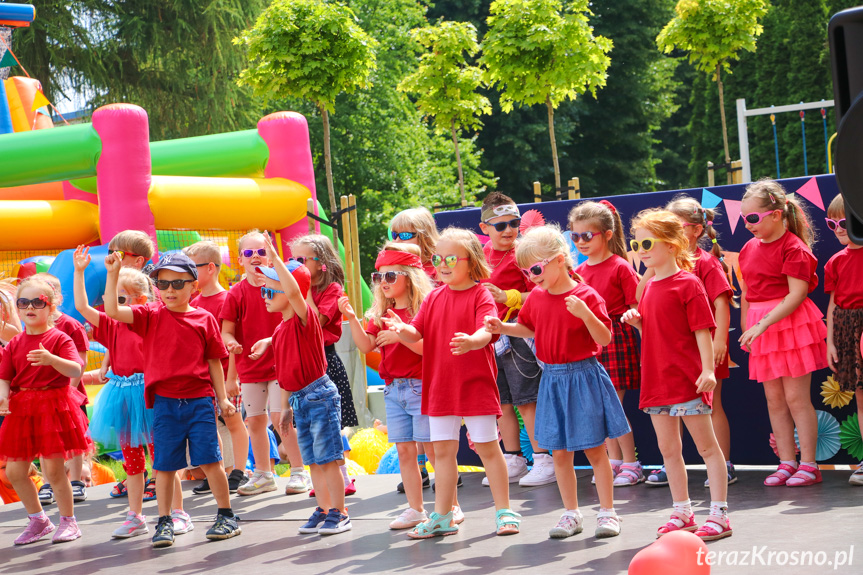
(399, 285)
(597, 232)
(459, 372)
(783, 330)
(417, 226)
(308, 394)
(182, 371)
(677, 367)
(843, 280)
(577, 407)
(42, 411)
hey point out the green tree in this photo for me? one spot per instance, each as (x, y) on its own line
(538, 51)
(714, 32)
(446, 85)
(312, 50)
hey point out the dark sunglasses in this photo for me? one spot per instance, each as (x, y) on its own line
(754, 218)
(206, 264)
(501, 226)
(585, 237)
(403, 236)
(389, 277)
(269, 293)
(249, 253)
(450, 261)
(302, 260)
(162, 285)
(37, 302)
(833, 224)
(121, 299)
(536, 269)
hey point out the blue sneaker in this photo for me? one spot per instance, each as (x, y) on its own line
(315, 522)
(657, 478)
(337, 522)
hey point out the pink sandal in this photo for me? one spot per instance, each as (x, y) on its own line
(806, 475)
(780, 476)
(678, 522)
(714, 528)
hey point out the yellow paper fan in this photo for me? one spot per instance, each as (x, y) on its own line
(833, 394)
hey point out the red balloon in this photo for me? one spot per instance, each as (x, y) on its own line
(678, 553)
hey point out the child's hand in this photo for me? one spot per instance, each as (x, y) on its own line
(720, 348)
(393, 321)
(40, 356)
(461, 343)
(102, 376)
(346, 308)
(497, 294)
(386, 337)
(4, 406)
(235, 347)
(259, 348)
(492, 324)
(705, 382)
(232, 389)
(750, 334)
(631, 316)
(576, 306)
(286, 424)
(81, 258)
(271, 249)
(113, 262)
(832, 357)
(227, 407)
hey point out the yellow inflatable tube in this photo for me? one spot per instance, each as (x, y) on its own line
(226, 203)
(46, 225)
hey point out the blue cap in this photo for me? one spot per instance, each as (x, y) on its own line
(175, 261)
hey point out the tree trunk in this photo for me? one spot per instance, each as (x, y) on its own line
(458, 163)
(724, 127)
(334, 207)
(553, 144)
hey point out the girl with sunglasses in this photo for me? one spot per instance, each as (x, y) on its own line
(677, 367)
(417, 226)
(597, 232)
(843, 280)
(42, 411)
(120, 418)
(783, 330)
(458, 377)
(399, 285)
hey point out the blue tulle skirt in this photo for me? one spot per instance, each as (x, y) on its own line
(119, 415)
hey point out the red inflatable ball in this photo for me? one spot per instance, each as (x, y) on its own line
(678, 553)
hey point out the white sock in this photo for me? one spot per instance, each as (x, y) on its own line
(267, 474)
(718, 508)
(791, 463)
(576, 513)
(39, 515)
(683, 507)
(609, 511)
(810, 464)
(616, 462)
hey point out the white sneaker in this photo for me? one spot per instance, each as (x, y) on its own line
(542, 472)
(857, 477)
(134, 525)
(410, 517)
(516, 468)
(607, 525)
(299, 482)
(457, 515)
(182, 522)
(258, 483)
(567, 526)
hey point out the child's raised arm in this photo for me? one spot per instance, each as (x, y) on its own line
(81, 260)
(112, 309)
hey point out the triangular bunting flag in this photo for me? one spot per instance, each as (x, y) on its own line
(709, 200)
(811, 192)
(39, 100)
(732, 209)
(7, 60)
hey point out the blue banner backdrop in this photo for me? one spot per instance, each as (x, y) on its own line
(743, 399)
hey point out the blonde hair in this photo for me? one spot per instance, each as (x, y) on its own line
(135, 281)
(606, 217)
(477, 266)
(44, 287)
(206, 250)
(665, 226)
(836, 209)
(422, 222)
(331, 265)
(134, 241)
(772, 196)
(249, 234)
(690, 211)
(418, 286)
(7, 305)
(544, 242)
(54, 282)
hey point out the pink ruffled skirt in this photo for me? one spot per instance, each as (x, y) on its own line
(791, 347)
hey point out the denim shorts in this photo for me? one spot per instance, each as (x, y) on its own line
(318, 416)
(179, 424)
(692, 407)
(405, 422)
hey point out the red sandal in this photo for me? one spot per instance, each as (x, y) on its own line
(806, 475)
(780, 476)
(714, 528)
(678, 522)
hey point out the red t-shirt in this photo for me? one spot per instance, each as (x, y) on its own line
(177, 347)
(213, 304)
(124, 345)
(709, 270)
(15, 368)
(560, 336)
(614, 280)
(457, 384)
(74, 329)
(246, 308)
(843, 276)
(505, 274)
(764, 267)
(299, 352)
(671, 310)
(327, 302)
(397, 360)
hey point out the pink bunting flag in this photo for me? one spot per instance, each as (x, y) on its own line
(811, 192)
(732, 208)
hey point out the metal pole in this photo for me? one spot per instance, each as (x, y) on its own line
(826, 147)
(775, 144)
(803, 130)
(743, 139)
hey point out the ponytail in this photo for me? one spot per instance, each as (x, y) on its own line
(798, 221)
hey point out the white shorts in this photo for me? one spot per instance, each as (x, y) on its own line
(482, 428)
(258, 396)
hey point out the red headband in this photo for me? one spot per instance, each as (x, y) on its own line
(397, 258)
(608, 205)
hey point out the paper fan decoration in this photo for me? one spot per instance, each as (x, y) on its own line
(773, 445)
(833, 394)
(531, 219)
(828, 443)
(849, 436)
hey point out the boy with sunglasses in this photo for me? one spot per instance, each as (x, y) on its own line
(518, 372)
(183, 372)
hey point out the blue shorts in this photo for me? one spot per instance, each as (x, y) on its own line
(318, 416)
(274, 450)
(182, 423)
(405, 422)
(691, 407)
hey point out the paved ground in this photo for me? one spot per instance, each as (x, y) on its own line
(826, 518)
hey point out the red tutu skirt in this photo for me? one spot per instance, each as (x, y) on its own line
(45, 423)
(791, 347)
